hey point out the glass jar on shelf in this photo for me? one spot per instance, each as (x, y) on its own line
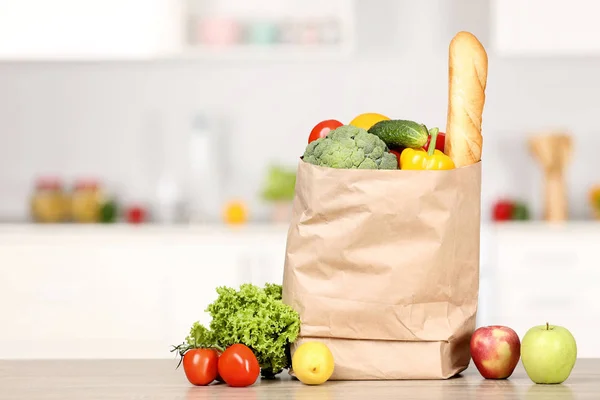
(331, 31)
(49, 202)
(86, 201)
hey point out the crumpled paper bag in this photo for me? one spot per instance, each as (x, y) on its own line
(383, 267)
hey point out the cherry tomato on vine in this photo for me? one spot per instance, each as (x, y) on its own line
(201, 366)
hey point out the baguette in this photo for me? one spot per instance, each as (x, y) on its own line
(467, 67)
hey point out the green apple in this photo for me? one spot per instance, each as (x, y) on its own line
(548, 353)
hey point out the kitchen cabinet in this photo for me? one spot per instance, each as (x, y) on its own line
(547, 273)
(545, 27)
(69, 301)
(123, 291)
(91, 29)
(118, 291)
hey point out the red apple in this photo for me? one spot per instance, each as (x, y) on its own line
(495, 351)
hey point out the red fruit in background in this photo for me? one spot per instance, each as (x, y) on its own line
(323, 128)
(440, 142)
(495, 351)
(136, 215)
(503, 210)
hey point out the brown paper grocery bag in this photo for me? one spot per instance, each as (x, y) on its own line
(383, 267)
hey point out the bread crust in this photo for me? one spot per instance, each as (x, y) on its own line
(467, 80)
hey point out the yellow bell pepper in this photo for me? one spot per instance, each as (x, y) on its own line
(420, 159)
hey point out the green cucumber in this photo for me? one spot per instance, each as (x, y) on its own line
(401, 133)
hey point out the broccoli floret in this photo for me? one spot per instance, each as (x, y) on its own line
(367, 164)
(350, 147)
(388, 161)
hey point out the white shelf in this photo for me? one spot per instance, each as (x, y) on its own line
(203, 53)
(14, 232)
(535, 227)
(258, 52)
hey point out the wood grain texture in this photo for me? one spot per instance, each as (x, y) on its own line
(158, 379)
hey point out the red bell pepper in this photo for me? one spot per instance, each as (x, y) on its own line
(440, 142)
(397, 153)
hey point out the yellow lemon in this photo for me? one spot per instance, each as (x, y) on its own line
(367, 120)
(235, 213)
(313, 363)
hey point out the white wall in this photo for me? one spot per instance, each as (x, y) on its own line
(99, 119)
(71, 119)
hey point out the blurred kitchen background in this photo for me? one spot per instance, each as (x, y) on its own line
(148, 151)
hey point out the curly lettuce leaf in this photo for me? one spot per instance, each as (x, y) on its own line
(257, 318)
(200, 337)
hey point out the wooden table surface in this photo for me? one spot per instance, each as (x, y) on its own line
(158, 379)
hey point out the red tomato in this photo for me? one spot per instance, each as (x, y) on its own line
(200, 366)
(218, 378)
(323, 128)
(440, 142)
(503, 210)
(238, 366)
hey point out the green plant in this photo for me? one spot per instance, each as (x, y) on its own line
(279, 184)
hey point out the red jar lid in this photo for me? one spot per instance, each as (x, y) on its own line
(86, 184)
(48, 183)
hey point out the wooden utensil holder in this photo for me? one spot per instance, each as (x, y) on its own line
(594, 199)
(553, 152)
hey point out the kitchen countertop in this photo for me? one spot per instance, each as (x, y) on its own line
(141, 229)
(158, 379)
